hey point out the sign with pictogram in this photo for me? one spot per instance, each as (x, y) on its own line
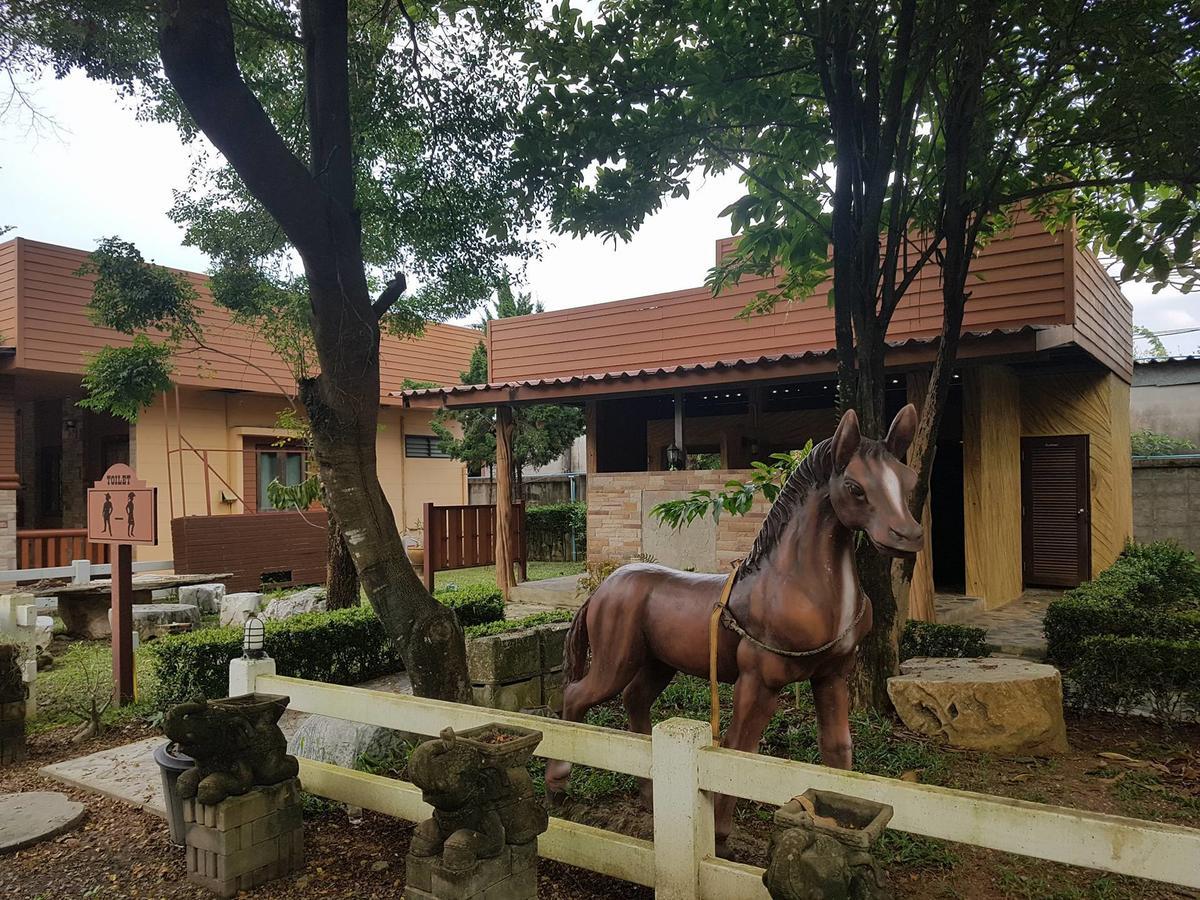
(121, 509)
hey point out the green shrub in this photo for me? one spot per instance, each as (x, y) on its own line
(548, 529)
(1119, 673)
(543, 618)
(934, 639)
(1074, 618)
(345, 646)
(475, 604)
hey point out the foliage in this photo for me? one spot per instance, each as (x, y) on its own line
(1152, 443)
(939, 640)
(1128, 636)
(510, 303)
(346, 646)
(84, 690)
(1158, 350)
(549, 522)
(550, 617)
(125, 380)
(738, 497)
(595, 575)
(475, 604)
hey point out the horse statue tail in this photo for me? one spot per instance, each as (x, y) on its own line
(575, 650)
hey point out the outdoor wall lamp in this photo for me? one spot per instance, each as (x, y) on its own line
(674, 457)
(253, 635)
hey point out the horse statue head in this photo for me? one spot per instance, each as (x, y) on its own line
(871, 485)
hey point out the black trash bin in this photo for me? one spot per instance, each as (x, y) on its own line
(172, 764)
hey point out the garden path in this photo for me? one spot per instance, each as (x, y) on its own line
(1015, 629)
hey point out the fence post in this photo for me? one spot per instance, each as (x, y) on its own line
(683, 814)
(243, 672)
(83, 571)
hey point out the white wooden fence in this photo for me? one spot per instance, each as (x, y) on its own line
(81, 571)
(680, 863)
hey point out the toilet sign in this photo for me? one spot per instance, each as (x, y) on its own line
(121, 509)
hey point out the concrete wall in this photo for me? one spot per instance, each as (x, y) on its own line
(1166, 501)
(1165, 398)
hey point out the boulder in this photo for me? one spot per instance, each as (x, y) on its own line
(1009, 706)
(47, 606)
(205, 597)
(44, 633)
(308, 600)
(234, 607)
(348, 744)
(153, 620)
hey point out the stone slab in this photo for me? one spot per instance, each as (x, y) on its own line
(127, 773)
(153, 620)
(29, 818)
(549, 593)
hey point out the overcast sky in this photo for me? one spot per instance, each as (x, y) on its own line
(98, 171)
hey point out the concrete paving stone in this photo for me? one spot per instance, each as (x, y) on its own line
(127, 773)
(29, 818)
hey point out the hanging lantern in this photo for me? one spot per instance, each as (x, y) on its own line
(253, 637)
(674, 457)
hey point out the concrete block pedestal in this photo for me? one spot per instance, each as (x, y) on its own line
(245, 841)
(510, 876)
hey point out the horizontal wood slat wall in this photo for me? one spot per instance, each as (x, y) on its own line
(55, 334)
(47, 548)
(462, 537)
(251, 545)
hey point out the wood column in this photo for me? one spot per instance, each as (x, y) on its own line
(122, 625)
(992, 483)
(921, 589)
(504, 497)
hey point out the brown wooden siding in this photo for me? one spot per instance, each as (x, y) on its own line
(253, 545)
(1103, 317)
(55, 334)
(9, 272)
(1020, 280)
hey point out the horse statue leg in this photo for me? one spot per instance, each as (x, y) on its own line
(639, 695)
(831, 696)
(753, 705)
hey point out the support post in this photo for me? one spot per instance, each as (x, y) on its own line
(429, 540)
(244, 672)
(81, 570)
(683, 814)
(504, 500)
(122, 625)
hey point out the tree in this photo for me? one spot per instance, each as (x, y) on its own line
(361, 139)
(541, 433)
(895, 133)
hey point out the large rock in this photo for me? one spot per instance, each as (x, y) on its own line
(44, 633)
(1007, 706)
(349, 744)
(308, 600)
(153, 620)
(205, 597)
(234, 607)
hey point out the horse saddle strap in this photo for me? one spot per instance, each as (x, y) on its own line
(713, 634)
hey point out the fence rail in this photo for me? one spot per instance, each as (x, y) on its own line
(681, 862)
(51, 547)
(81, 571)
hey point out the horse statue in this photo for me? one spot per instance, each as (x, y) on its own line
(795, 609)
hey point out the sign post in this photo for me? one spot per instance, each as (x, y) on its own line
(122, 511)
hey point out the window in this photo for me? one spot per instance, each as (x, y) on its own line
(423, 446)
(288, 464)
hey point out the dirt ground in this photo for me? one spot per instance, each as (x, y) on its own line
(1122, 766)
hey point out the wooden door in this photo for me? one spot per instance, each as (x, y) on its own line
(1056, 510)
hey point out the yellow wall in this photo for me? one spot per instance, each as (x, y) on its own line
(992, 483)
(1095, 404)
(215, 421)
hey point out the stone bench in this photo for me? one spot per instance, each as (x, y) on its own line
(153, 620)
(1009, 706)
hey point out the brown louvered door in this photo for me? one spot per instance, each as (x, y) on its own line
(1056, 510)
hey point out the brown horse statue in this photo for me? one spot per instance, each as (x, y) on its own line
(796, 609)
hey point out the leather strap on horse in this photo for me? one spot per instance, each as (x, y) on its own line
(713, 625)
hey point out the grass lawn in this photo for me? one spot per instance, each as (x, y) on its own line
(486, 575)
(83, 669)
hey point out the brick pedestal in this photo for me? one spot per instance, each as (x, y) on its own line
(242, 842)
(12, 732)
(510, 876)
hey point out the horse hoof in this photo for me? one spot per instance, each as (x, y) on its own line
(723, 851)
(646, 795)
(555, 799)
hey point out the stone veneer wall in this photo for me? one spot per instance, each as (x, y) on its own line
(8, 529)
(619, 525)
(1166, 501)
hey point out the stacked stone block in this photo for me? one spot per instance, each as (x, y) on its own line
(518, 669)
(510, 876)
(244, 841)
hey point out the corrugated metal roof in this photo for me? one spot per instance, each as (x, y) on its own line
(758, 362)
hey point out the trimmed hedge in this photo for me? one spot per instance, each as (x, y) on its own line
(475, 604)
(934, 639)
(1131, 636)
(543, 618)
(548, 529)
(345, 646)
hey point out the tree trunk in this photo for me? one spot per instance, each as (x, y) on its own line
(341, 579)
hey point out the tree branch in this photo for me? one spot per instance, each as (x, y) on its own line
(390, 294)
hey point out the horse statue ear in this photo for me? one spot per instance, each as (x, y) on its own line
(846, 439)
(900, 435)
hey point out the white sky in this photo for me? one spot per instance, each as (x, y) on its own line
(99, 171)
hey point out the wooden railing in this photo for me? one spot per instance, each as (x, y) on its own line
(681, 863)
(39, 548)
(461, 537)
